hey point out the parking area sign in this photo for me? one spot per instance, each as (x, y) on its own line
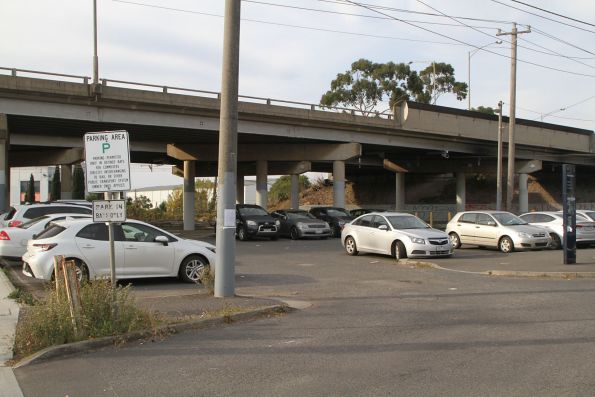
(107, 158)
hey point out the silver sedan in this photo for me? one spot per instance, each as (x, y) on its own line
(397, 234)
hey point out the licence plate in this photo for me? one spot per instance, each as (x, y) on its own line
(318, 231)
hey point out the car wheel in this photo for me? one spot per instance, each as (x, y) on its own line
(242, 234)
(193, 269)
(293, 233)
(350, 246)
(400, 250)
(506, 245)
(556, 243)
(82, 271)
(455, 240)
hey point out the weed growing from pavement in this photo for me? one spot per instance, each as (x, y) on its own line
(208, 281)
(106, 312)
(23, 297)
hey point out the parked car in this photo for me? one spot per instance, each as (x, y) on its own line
(22, 213)
(13, 240)
(298, 224)
(589, 214)
(336, 217)
(397, 234)
(499, 229)
(361, 211)
(552, 222)
(253, 221)
(141, 250)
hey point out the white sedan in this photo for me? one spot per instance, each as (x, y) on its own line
(13, 240)
(141, 250)
(397, 234)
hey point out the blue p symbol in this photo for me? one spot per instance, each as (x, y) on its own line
(104, 147)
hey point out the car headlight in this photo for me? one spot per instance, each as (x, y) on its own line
(524, 235)
(277, 222)
(212, 249)
(301, 225)
(341, 223)
(250, 223)
(327, 225)
(418, 240)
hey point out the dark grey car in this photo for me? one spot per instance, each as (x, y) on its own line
(298, 224)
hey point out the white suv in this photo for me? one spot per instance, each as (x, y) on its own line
(22, 213)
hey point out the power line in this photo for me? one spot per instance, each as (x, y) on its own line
(465, 43)
(554, 13)
(560, 40)
(541, 16)
(550, 51)
(566, 107)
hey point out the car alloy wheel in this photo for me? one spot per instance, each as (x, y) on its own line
(506, 245)
(193, 269)
(400, 251)
(556, 242)
(242, 234)
(293, 233)
(455, 241)
(350, 246)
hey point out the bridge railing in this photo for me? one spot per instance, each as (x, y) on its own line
(210, 94)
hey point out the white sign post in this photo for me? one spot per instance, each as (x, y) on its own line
(107, 157)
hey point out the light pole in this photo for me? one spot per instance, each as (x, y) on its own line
(499, 164)
(469, 55)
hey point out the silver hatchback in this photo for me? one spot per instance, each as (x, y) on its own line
(498, 229)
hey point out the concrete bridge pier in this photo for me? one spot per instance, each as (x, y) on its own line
(189, 193)
(523, 193)
(460, 191)
(66, 181)
(339, 183)
(295, 191)
(240, 189)
(261, 183)
(4, 168)
(399, 191)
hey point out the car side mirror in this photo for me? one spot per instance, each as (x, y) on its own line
(383, 227)
(163, 240)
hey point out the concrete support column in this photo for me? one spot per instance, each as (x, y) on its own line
(240, 189)
(189, 192)
(339, 183)
(461, 191)
(523, 193)
(4, 169)
(261, 183)
(399, 191)
(295, 191)
(66, 181)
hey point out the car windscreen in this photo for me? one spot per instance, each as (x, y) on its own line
(249, 211)
(32, 222)
(406, 222)
(300, 215)
(51, 231)
(508, 219)
(590, 214)
(334, 212)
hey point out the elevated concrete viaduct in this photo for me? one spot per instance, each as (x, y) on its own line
(43, 121)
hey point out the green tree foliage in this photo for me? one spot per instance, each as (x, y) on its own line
(55, 190)
(483, 109)
(281, 189)
(367, 84)
(78, 183)
(30, 193)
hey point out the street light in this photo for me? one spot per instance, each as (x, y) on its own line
(469, 55)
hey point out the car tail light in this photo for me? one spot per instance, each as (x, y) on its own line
(579, 226)
(14, 223)
(4, 236)
(44, 247)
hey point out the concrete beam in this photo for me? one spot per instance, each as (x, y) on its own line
(527, 167)
(30, 158)
(249, 169)
(427, 165)
(269, 152)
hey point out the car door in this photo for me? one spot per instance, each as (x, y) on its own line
(487, 231)
(363, 233)
(465, 227)
(93, 243)
(283, 219)
(381, 240)
(143, 256)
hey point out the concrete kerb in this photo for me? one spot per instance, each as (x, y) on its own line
(93, 344)
(499, 273)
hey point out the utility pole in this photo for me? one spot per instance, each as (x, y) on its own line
(499, 164)
(95, 58)
(228, 153)
(512, 112)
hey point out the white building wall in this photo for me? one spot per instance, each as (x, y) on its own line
(43, 175)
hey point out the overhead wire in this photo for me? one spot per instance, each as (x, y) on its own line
(566, 107)
(541, 32)
(469, 44)
(553, 13)
(541, 16)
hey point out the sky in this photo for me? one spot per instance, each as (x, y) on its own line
(292, 50)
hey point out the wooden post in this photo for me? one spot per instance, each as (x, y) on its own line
(432, 218)
(73, 292)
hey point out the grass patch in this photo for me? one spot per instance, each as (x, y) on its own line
(23, 297)
(226, 312)
(208, 280)
(106, 312)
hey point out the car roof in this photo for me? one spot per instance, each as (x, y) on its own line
(390, 213)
